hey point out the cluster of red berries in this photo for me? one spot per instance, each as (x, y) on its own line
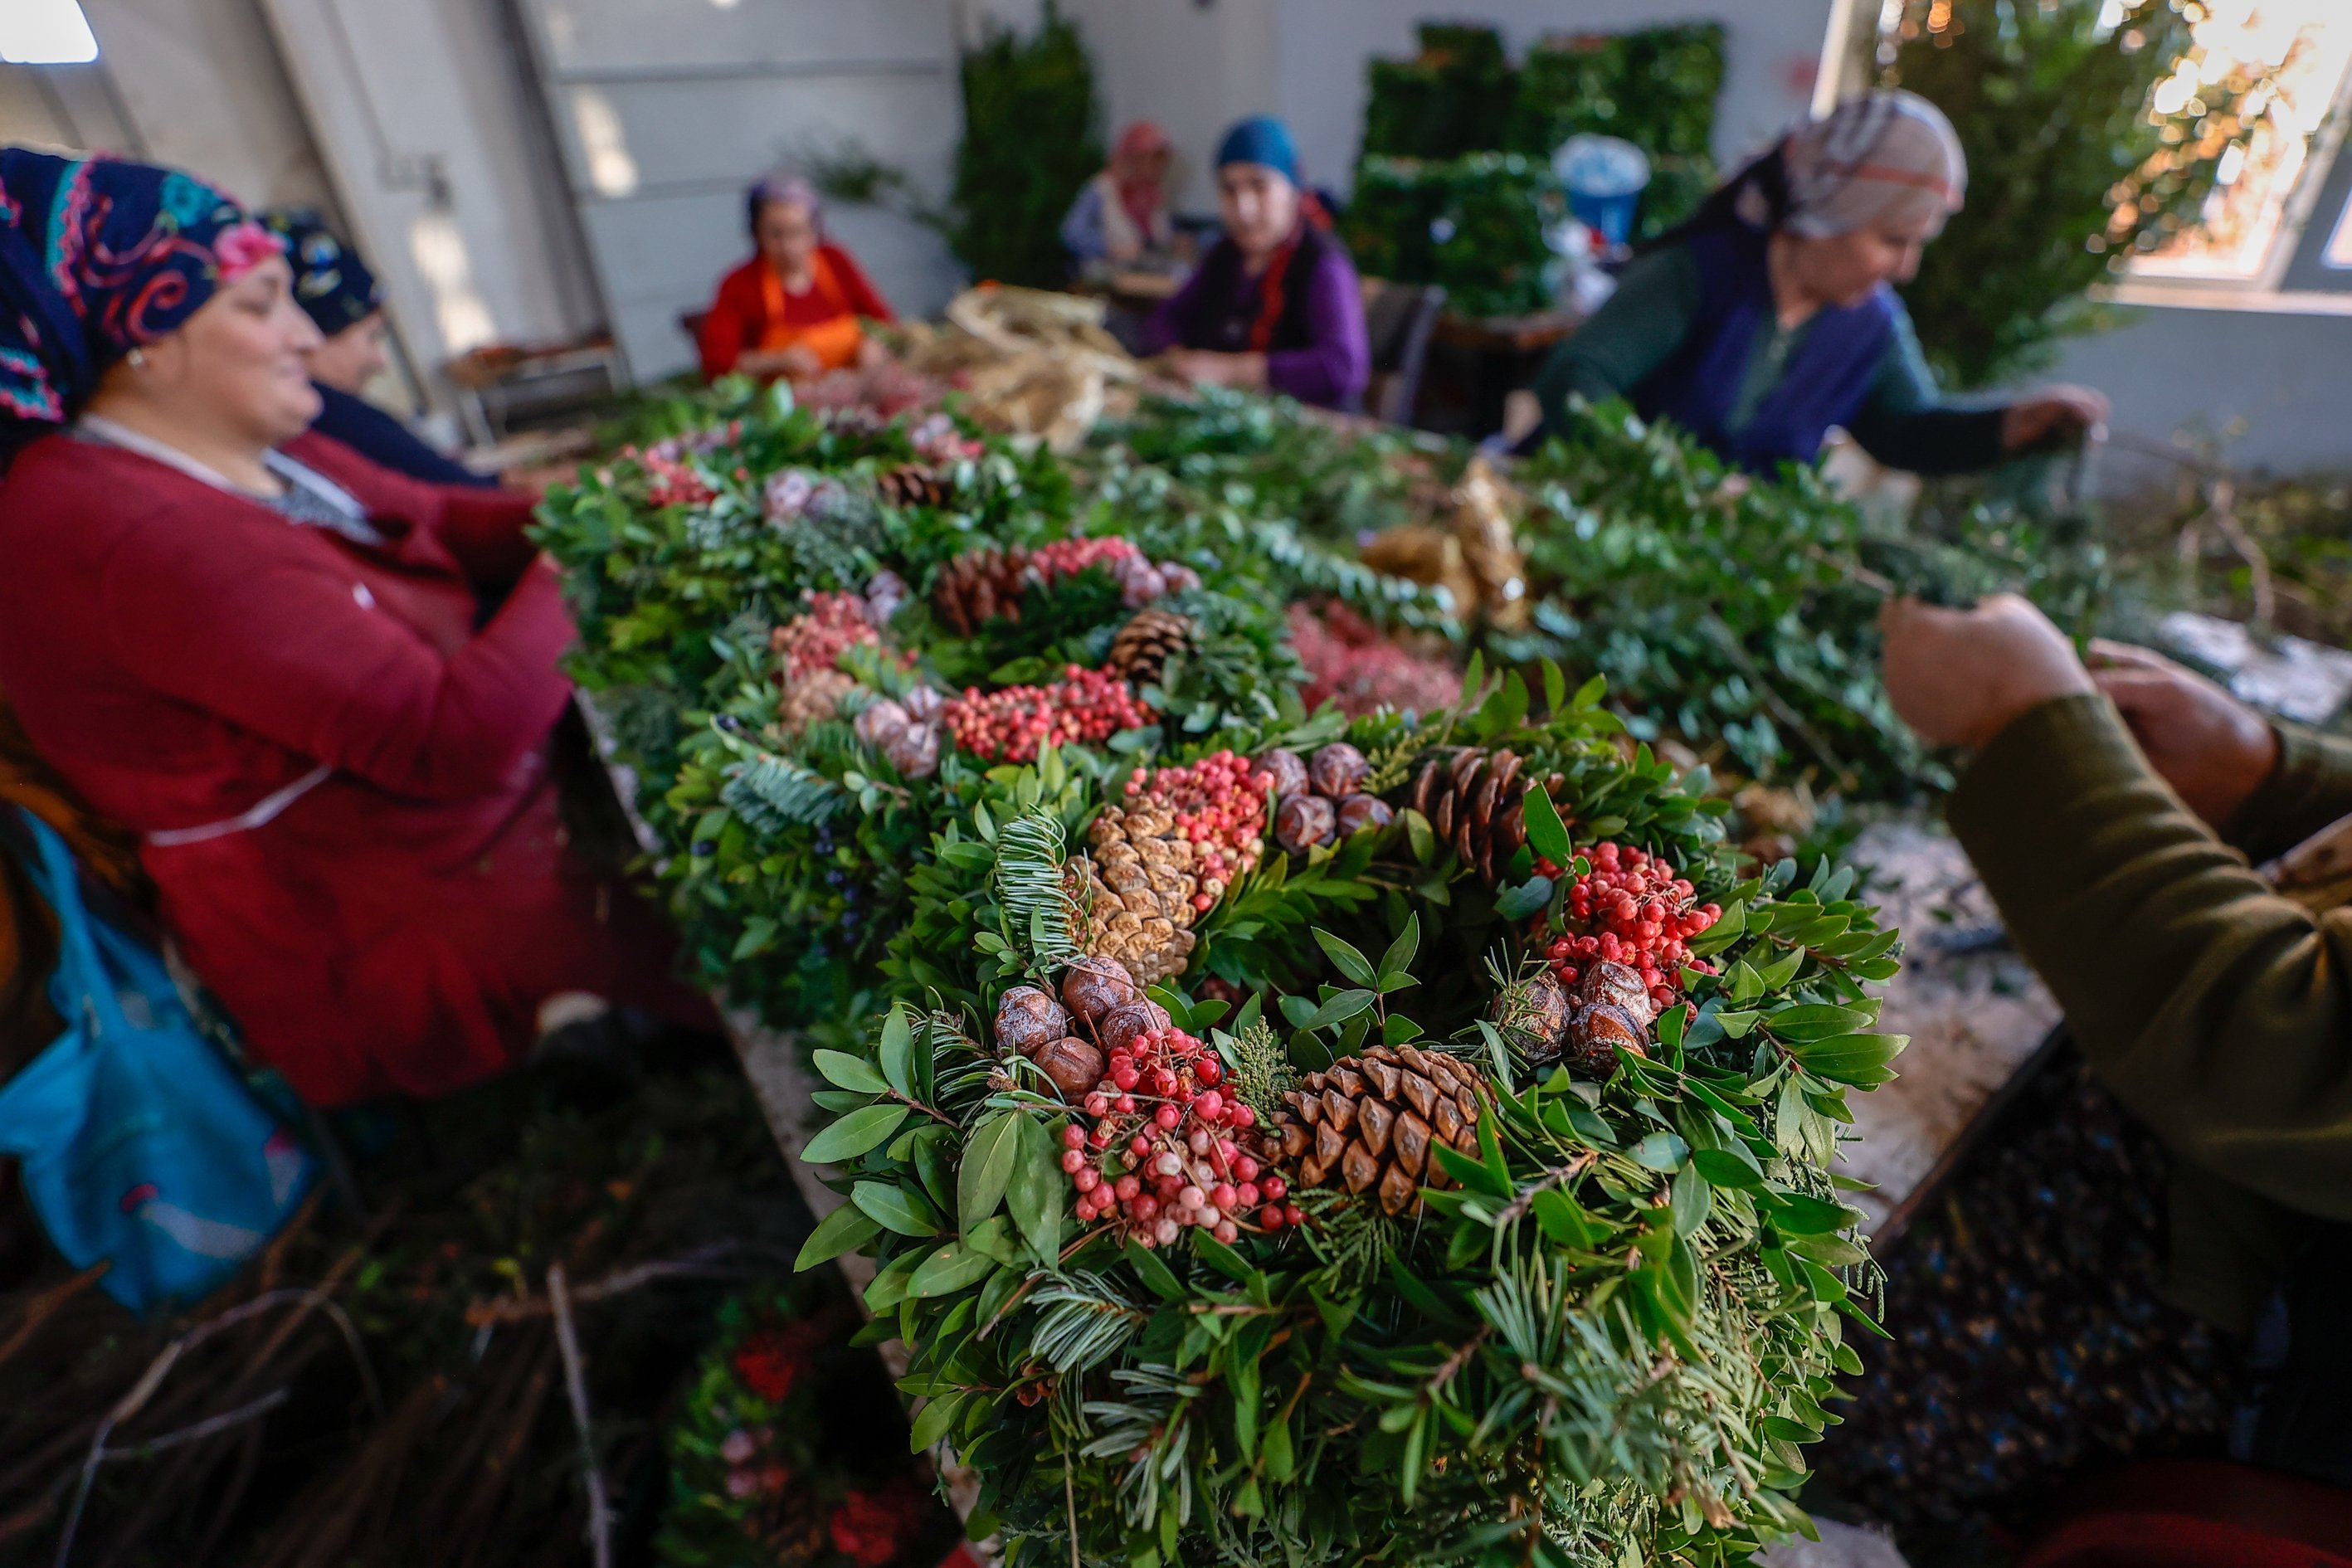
(1086, 705)
(1160, 1153)
(817, 637)
(1630, 909)
(1352, 662)
(1218, 806)
(1068, 557)
(672, 483)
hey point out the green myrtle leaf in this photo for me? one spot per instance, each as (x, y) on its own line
(1398, 960)
(845, 1230)
(948, 1269)
(1352, 964)
(859, 1132)
(897, 1208)
(1660, 1150)
(1546, 834)
(935, 1420)
(1037, 1190)
(898, 1050)
(986, 1169)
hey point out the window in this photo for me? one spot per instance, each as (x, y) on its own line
(45, 33)
(2266, 207)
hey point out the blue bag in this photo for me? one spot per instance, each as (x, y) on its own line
(141, 1144)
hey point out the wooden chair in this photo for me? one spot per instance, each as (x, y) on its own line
(1398, 319)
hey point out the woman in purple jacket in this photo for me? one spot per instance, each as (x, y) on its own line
(1275, 306)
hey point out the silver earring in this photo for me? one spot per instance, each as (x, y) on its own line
(138, 358)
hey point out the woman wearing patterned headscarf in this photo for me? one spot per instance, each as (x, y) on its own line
(1769, 318)
(1121, 215)
(795, 309)
(257, 651)
(340, 295)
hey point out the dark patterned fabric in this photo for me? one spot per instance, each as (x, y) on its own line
(97, 257)
(2030, 1343)
(331, 284)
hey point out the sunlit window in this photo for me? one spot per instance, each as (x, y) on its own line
(2299, 52)
(46, 33)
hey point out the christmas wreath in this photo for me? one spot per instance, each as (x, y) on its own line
(1281, 1136)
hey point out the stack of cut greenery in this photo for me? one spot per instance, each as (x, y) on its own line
(1283, 1138)
(1454, 184)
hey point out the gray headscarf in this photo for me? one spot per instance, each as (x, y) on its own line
(1883, 158)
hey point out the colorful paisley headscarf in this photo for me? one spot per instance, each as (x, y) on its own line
(99, 256)
(330, 282)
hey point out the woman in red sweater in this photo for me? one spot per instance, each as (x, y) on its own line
(792, 309)
(258, 652)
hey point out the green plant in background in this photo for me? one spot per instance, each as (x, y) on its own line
(1474, 223)
(1655, 88)
(1454, 97)
(2070, 170)
(1032, 138)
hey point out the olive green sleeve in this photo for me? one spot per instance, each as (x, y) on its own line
(2310, 789)
(2218, 1012)
(1630, 335)
(1906, 422)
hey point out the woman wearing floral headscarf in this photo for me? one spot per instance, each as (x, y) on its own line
(1769, 318)
(257, 651)
(341, 295)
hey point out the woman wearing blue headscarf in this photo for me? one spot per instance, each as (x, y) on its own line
(1276, 305)
(341, 295)
(259, 652)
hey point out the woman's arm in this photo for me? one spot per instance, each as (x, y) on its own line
(482, 528)
(285, 647)
(1633, 333)
(1906, 424)
(864, 298)
(726, 328)
(1166, 327)
(1336, 364)
(1082, 227)
(2311, 788)
(2220, 1012)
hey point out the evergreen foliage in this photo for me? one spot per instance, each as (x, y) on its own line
(1031, 139)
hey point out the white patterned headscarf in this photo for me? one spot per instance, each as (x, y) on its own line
(1883, 159)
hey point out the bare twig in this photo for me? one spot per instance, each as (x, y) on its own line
(575, 1383)
(133, 1401)
(46, 1305)
(205, 1429)
(504, 1310)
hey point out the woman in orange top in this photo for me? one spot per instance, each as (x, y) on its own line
(794, 309)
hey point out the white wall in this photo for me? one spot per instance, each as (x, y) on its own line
(2288, 376)
(1193, 70)
(201, 84)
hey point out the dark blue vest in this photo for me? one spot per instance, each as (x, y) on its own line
(1826, 380)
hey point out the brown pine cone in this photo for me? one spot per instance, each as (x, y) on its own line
(813, 699)
(979, 586)
(1476, 800)
(1141, 887)
(1143, 646)
(913, 485)
(1367, 1123)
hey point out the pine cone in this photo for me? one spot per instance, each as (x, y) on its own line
(1141, 887)
(913, 485)
(979, 586)
(1477, 802)
(1143, 646)
(1367, 1122)
(813, 699)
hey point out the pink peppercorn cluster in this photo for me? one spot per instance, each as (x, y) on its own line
(815, 639)
(1014, 723)
(1155, 1149)
(1630, 909)
(1219, 807)
(937, 440)
(1139, 580)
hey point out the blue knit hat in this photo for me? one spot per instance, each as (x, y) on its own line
(1261, 140)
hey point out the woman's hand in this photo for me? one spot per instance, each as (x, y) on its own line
(2213, 748)
(1959, 677)
(2051, 414)
(1203, 368)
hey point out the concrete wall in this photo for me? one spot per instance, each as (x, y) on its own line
(2289, 377)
